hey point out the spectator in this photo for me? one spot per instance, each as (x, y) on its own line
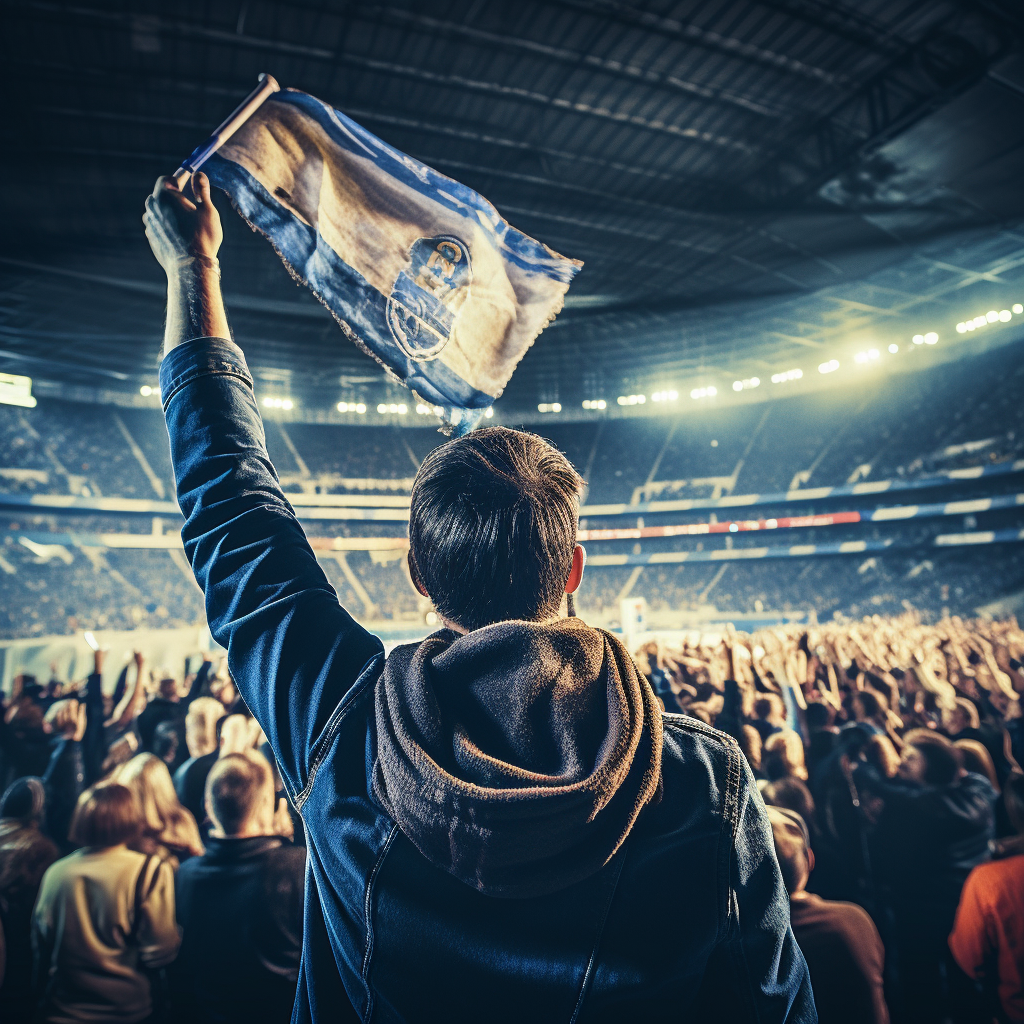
(167, 829)
(484, 781)
(792, 794)
(25, 854)
(988, 937)
(164, 707)
(239, 905)
(104, 918)
(822, 732)
(201, 734)
(962, 715)
(770, 715)
(65, 774)
(783, 756)
(165, 744)
(977, 759)
(841, 944)
(934, 827)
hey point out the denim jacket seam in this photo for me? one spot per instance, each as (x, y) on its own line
(368, 915)
(221, 370)
(320, 748)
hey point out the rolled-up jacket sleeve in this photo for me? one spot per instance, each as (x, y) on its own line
(293, 651)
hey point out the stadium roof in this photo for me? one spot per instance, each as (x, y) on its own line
(748, 183)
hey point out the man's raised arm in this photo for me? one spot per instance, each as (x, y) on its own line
(293, 650)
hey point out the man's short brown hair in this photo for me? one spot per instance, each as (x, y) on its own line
(492, 527)
(106, 815)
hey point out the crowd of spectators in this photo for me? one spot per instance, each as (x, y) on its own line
(889, 751)
(150, 868)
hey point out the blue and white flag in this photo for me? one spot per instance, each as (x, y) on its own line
(420, 271)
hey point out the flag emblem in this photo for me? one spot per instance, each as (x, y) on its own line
(425, 301)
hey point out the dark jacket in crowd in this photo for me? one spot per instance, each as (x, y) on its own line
(190, 784)
(846, 959)
(240, 910)
(25, 854)
(494, 821)
(158, 711)
(927, 841)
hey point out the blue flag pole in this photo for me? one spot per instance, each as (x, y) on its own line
(267, 87)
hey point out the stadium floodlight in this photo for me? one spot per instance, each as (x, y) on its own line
(894, 348)
(631, 399)
(961, 328)
(830, 367)
(992, 316)
(382, 408)
(595, 403)
(278, 403)
(424, 410)
(16, 390)
(549, 407)
(918, 339)
(707, 392)
(665, 396)
(1005, 315)
(145, 391)
(980, 321)
(786, 375)
(931, 338)
(868, 356)
(1018, 308)
(746, 384)
(488, 412)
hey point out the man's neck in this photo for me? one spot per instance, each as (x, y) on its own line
(247, 832)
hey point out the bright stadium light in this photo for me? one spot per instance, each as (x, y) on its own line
(894, 348)
(382, 408)
(1018, 308)
(278, 403)
(931, 338)
(356, 407)
(664, 396)
(918, 339)
(145, 391)
(708, 392)
(830, 367)
(868, 356)
(488, 412)
(631, 399)
(595, 403)
(16, 390)
(1005, 315)
(961, 328)
(992, 316)
(746, 384)
(786, 375)
(549, 407)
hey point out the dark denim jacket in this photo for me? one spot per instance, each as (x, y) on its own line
(689, 920)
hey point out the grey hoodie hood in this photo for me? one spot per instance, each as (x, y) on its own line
(516, 757)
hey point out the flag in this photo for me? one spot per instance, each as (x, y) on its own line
(420, 271)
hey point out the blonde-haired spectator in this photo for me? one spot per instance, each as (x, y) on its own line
(168, 829)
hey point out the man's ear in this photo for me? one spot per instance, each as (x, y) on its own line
(415, 576)
(579, 561)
